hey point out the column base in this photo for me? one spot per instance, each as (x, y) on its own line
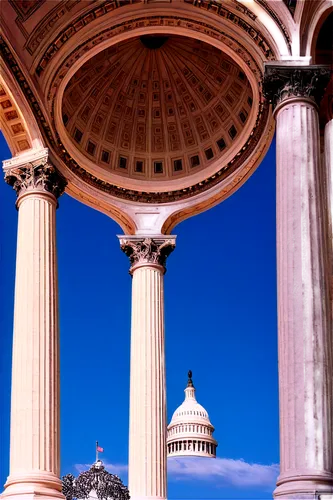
(305, 487)
(33, 485)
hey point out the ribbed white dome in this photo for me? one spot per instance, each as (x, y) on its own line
(190, 431)
(190, 410)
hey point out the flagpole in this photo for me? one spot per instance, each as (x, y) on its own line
(96, 451)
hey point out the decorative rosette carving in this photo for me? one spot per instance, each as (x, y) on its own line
(40, 175)
(283, 82)
(147, 250)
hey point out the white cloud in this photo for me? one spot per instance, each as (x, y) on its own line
(222, 471)
(219, 471)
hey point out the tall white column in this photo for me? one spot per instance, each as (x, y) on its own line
(328, 155)
(328, 146)
(34, 439)
(305, 328)
(147, 436)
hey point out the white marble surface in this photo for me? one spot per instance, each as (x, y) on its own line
(305, 331)
(34, 445)
(147, 440)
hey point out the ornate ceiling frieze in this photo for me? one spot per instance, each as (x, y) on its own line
(47, 23)
(12, 123)
(217, 7)
(272, 13)
(242, 8)
(118, 191)
(25, 8)
(103, 8)
(185, 117)
(161, 21)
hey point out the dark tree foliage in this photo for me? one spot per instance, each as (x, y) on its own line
(107, 486)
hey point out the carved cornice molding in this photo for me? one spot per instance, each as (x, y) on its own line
(130, 194)
(147, 250)
(276, 18)
(38, 174)
(103, 8)
(284, 82)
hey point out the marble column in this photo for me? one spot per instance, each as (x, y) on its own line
(326, 143)
(328, 139)
(34, 439)
(328, 155)
(148, 424)
(305, 329)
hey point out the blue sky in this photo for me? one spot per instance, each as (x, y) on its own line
(220, 291)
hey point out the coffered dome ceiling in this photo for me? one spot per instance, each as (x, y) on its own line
(158, 108)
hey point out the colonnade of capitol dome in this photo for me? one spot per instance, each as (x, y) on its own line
(151, 112)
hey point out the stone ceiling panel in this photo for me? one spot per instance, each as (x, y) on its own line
(157, 107)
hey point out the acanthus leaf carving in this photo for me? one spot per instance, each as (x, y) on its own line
(147, 250)
(39, 175)
(283, 82)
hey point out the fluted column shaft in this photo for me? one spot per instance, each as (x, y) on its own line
(34, 440)
(328, 155)
(147, 436)
(304, 320)
(328, 145)
(147, 442)
(35, 405)
(305, 336)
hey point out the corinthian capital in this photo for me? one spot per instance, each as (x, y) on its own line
(284, 82)
(147, 250)
(35, 173)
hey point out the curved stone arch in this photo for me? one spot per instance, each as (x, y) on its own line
(17, 120)
(92, 165)
(89, 196)
(50, 27)
(187, 209)
(96, 27)
(274, 24)
(312, 28)
(254, 79)
(284, 21)
(69, 16)
(136, 217)
(203, 204)
(316, 31)
(215, 196)
(298, 13)
(10, 89)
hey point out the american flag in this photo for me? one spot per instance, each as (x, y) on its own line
(100, 449)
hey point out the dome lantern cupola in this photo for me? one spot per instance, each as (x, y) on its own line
(190, 432)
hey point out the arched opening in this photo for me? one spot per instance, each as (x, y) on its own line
(323, 54)
(323, 40)
(12, 123)
(17, 121)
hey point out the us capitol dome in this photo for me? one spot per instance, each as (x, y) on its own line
(190, 432)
